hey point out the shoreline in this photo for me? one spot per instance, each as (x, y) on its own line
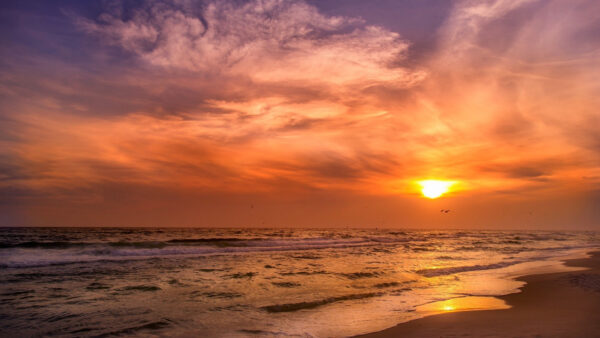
(559, 304)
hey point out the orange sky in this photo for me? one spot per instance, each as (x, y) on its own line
(275, 113)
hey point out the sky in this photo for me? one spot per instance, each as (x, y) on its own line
(300, 113)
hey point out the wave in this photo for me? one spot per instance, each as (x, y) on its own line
(386, 285)
(153, 326)
(9, 241)
(145, 288)
(223, 295)
(289, 307)
(47, 245)
(43, 253)
(286, 284)
(125, 244)
(458, 269)
(36, 254)
(358, 275)
(477, 267)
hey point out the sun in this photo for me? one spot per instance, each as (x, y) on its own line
(435, 188)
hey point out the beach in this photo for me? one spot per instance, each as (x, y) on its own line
(184, 282)
(565, 304)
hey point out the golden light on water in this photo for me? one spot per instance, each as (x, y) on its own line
(435, 188)
(468, 303)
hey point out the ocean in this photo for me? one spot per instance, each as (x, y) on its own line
(74, 282)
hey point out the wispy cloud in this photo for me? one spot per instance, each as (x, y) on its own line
(264, 40)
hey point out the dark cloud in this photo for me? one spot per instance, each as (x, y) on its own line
(512, 126)
(526, 169)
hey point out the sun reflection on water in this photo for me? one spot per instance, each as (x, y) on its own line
(448, 308)
(468, 303)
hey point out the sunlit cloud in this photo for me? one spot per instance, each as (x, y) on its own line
(276, 97)
(264, 40)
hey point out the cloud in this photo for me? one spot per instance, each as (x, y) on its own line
(265, 40)
(276, 98)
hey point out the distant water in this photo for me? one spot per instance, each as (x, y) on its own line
(266, 282)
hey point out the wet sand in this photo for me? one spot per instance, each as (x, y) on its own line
(565, 304)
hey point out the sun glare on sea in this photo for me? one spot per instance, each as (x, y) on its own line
(435, 188)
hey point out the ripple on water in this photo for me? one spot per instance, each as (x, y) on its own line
(289, 307)
(286, 284)
(97, 286)
(240, 275)
(223, 295)
(358, 275)
(144, 288)
(152, 326)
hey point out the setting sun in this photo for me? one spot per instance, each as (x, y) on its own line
(434, 188)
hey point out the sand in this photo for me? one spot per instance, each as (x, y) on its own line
(565, 304)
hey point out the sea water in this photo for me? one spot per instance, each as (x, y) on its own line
(258, 282)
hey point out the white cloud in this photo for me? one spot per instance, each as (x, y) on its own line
(264, 40)
(467, 20)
